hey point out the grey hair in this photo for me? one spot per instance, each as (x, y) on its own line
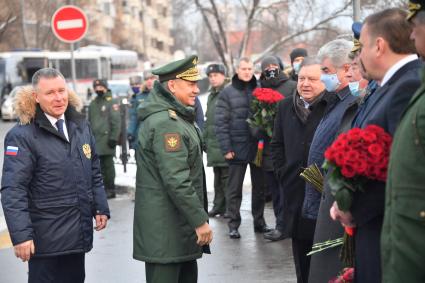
(46, 73)
(308, 61)
(337, 51)
(243, 59)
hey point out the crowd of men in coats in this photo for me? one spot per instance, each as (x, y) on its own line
(367, 81)
(52, 185)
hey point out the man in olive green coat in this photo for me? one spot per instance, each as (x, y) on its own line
(105, 120)
(403, 232)
(170, 223)
(216, 76)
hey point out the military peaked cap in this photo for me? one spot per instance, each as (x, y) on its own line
(185, 69)
(414, 7)
(356, 27)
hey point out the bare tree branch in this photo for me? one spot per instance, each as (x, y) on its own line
(249, 24)
(214, 36)
(319, 24)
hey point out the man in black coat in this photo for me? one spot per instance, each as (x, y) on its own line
(52, 187)
(388, 56)
(239, 147)
(273, 77)
(296, 121)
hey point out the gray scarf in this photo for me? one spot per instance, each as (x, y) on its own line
(300, 109)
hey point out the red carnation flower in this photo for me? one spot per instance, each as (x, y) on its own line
(368, 137)
(348, 171)
(375, 150)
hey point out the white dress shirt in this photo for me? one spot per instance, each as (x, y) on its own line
(397, 66)
(53, 121)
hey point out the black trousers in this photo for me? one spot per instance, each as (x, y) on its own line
(300, 249)
(234, 194)
(277, 198)
(184, 272)
(57, 269)
(221, 175)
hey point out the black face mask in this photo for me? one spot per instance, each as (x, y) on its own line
(100, 92)
(271, 73)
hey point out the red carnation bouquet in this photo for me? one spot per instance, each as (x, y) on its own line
(263, 107)
(357, 156)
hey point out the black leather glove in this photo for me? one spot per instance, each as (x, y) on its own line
(112, 143)
(130, 138)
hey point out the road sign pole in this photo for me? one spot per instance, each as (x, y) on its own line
(74, 77)
(69, 24)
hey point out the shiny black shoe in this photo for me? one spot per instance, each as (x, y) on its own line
(234, 234)
(262, 229)
(274, 235)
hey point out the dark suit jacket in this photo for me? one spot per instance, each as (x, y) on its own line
(384, 109)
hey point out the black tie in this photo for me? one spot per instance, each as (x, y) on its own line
(59, 124)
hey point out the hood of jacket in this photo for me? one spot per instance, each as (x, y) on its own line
(161, 99)
(26, 106)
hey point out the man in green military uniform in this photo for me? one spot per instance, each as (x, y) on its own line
(105, 120)
(170, 222)
(402, 238)
(216, 76)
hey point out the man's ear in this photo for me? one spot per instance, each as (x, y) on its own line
(381, 46)
(34, 94)
(171, 85)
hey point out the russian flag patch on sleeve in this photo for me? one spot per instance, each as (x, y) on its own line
(12, 150)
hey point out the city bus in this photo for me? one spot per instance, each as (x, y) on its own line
(92, 62)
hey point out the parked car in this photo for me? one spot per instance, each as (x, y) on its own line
(119, 88)
(7, 108)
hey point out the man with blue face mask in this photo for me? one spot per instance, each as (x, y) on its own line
(326, 264)
(140, 95)
(335, 62)
(357, 77)
(297, 57)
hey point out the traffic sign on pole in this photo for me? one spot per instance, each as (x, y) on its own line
(69, 24)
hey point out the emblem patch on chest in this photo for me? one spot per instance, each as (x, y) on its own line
(87, 150)
(172, 142)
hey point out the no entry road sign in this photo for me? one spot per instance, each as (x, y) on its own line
(69, 24)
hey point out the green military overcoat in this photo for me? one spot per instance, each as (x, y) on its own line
(403, 232)
(169, 182)
(215, 157)
(105, 121)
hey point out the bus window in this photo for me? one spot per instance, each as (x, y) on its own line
(105, 70)
(28, 66)
(86, 68)
(65, 68)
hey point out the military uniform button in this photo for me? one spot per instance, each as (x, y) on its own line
(422, 214)
(417, 141)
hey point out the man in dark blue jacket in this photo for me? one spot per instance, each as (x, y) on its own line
(388, 57)
(52, 186)
(238, 146)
